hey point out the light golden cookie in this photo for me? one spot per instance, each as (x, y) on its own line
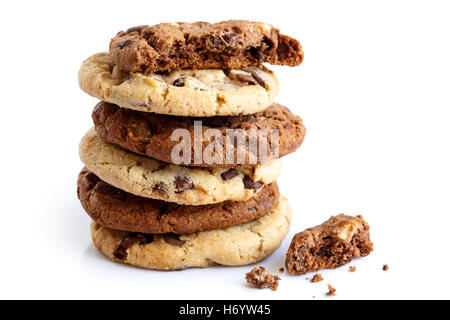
(147, 177)
(192, 93)
(235, 246)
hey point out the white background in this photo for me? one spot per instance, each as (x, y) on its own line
(373, 91)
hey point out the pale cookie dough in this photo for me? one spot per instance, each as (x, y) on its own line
(147, 177)
(192, 93)
(235, 246)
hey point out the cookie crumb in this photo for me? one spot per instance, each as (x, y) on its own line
(385, 267)
(281, 270)
(259, 278)
(331, 291)
(317, 278)
(352, 268)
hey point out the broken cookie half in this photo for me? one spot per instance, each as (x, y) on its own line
(332, 244)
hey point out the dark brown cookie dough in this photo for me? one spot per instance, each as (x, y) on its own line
(119, 210)
(329, 245)
(230, 44)
(150, 134)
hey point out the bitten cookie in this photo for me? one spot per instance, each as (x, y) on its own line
(116, 209)
(146, 177)
(230, 44)
(193, 93)
(235, 246)
(150, 134)
(329, 245)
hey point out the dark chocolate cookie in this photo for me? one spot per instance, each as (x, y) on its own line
(230, 44)
(150, 134)
(119, 210)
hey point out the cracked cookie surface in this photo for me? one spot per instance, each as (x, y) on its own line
(194, 93)
(119, 210)
(150, 134)
(240, 245)
(149, 178)
(229, 44)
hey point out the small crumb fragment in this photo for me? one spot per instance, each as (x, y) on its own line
(385, 267)
(352, 269)
(306, 279)
(331, 291)
(260, 278)
(317, 278)
(281, 270)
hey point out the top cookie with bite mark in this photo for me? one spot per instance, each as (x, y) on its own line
(232, 44)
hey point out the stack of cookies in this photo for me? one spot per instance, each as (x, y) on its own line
(181, 165)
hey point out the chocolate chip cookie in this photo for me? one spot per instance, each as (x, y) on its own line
(230, 44)
(193, 93)
(150, 178)
(329, 245)
(240, 245)
(119, 210)
(150, 134)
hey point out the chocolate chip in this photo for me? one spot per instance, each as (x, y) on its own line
(121, 251)
(256, 76)
(250, 184)
(159, 187)
(125, 43)
(179, 82)
(132, 238)
(137, 29)
(246, 78)
(92, 177)
(110, 191)
(183, 184)
(300, 256)
(173, 239)
(230, 37)
(227, 175)
(216, 40)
